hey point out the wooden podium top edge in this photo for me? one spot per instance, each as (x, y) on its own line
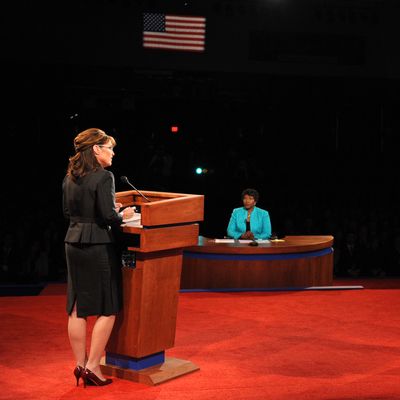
(149, 193)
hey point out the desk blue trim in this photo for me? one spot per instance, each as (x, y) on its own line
(136, 364)
(266, 289)
(252, 257)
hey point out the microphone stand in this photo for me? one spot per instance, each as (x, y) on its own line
(125, 180)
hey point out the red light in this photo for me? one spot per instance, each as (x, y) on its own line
(174, 129)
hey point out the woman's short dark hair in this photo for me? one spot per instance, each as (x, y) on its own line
(251, 192)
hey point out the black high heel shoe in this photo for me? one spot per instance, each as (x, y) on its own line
(90, 378)
(78, 371)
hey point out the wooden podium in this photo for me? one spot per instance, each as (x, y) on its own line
(146, 326)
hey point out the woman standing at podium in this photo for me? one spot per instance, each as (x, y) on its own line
(93, 268)
(249, 222)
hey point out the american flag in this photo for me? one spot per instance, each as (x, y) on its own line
(174, 32)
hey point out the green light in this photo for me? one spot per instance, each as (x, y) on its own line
(199, 171)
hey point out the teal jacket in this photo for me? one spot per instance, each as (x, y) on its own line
(260, 223)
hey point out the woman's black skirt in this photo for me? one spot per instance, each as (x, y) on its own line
(94, 279)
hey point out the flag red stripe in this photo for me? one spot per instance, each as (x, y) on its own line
(183, 30)
(163, 40)
(174, 47)
(185, 24)
(174, 35)
(184, 18)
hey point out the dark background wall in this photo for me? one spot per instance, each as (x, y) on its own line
(297, 99)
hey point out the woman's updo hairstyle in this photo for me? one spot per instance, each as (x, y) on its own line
(84, 161)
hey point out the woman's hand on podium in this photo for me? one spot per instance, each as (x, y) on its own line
(128, 212)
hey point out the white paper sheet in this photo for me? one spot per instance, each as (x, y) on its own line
(257, 240)
(133, 221)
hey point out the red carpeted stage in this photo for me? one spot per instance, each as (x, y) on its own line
(333, 344)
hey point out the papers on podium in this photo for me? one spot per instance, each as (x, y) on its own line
(240, 241)
(257, 240)
(133, 221)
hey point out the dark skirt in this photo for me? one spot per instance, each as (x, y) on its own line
(94, 279)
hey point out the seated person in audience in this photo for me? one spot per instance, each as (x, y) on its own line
(249, 221)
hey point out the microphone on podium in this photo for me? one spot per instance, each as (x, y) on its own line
(124, 179)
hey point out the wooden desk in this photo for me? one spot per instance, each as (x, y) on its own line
(298, 261)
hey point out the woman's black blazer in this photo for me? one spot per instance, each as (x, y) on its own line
(89, 204)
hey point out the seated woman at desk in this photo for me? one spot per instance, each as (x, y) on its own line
(249, 222)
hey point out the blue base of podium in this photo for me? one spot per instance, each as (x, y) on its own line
(136, 364)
